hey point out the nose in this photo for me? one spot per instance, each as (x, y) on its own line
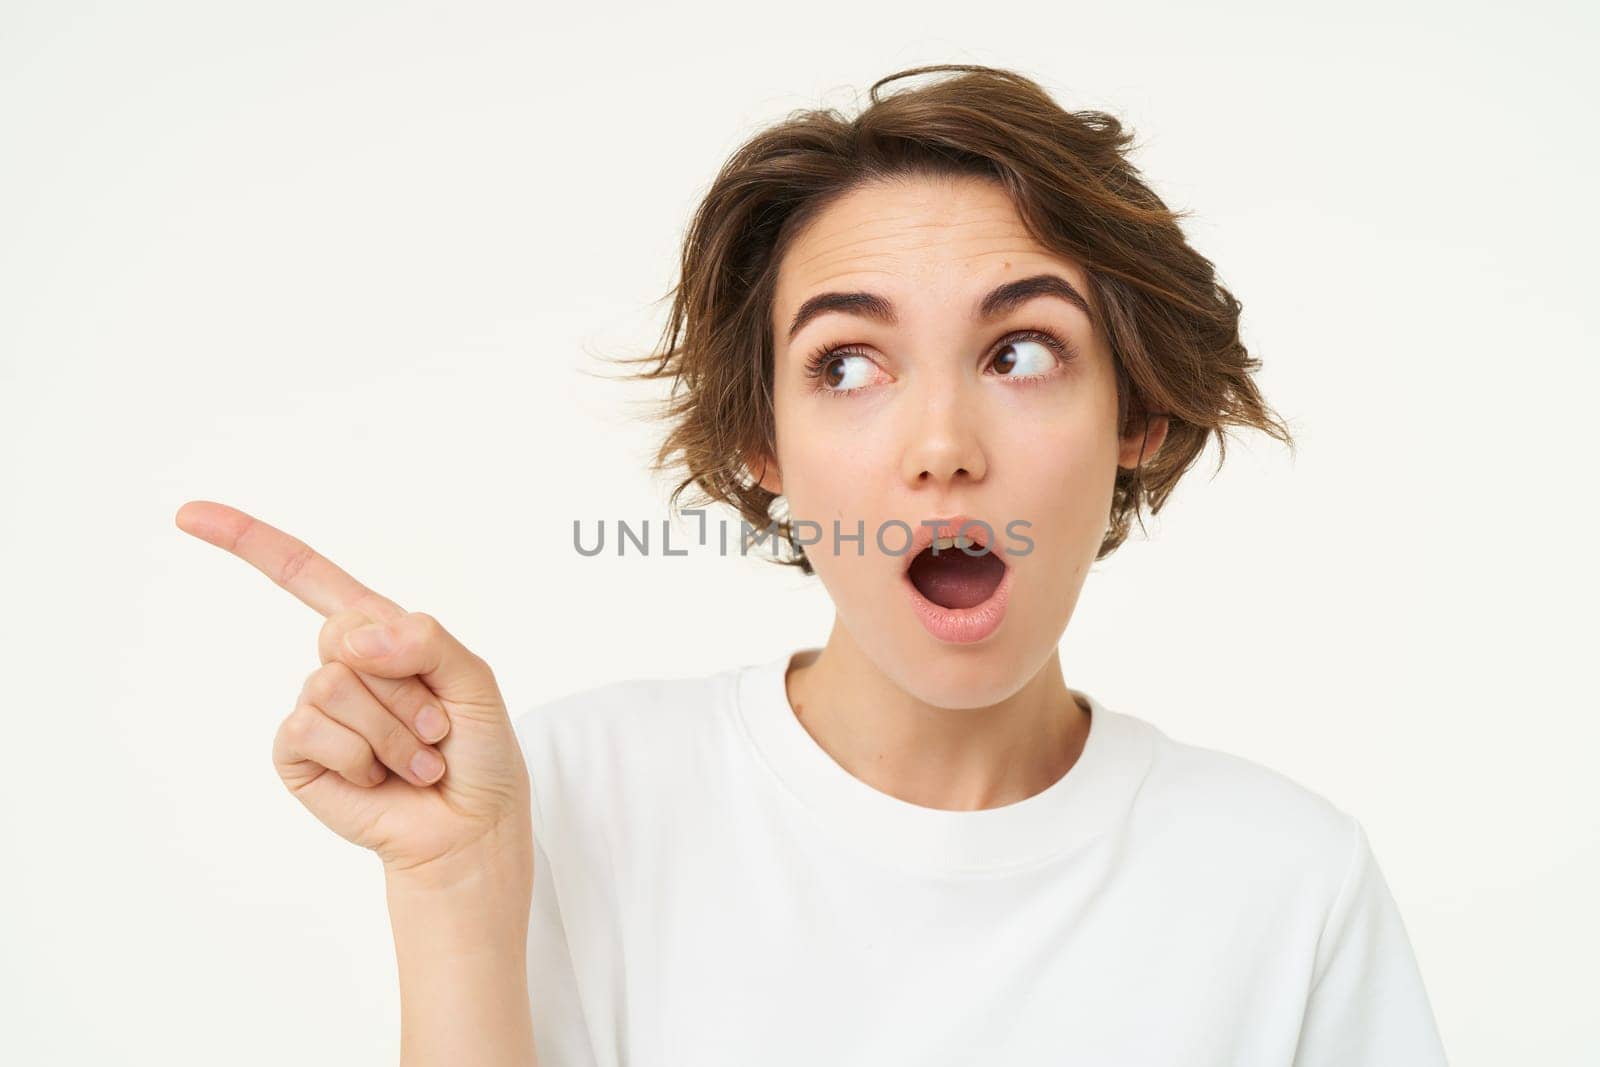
(944, 446)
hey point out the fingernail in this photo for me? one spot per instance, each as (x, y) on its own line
(431, 723)
(426, 765)
(368, 640)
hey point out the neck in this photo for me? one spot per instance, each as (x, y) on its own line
(955, 759)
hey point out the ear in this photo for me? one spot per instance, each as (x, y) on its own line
(1144, 436)
(765, 471)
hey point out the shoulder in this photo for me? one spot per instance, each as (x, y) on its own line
(625, 698)
(602, 747)
(610, 765)
(638, 712)
(1234, 813)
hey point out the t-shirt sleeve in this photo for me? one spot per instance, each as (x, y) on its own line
(560, 1030)
(1367, 1006)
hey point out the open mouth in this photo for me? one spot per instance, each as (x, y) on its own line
(956, 573)
(958, 583)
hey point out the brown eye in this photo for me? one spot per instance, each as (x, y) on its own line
(833, 370)
(1035, 357)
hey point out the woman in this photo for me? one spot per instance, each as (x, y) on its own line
(948, 348)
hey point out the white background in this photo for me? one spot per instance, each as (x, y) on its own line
(344, 266)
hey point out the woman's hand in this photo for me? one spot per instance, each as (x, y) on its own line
(400, 742)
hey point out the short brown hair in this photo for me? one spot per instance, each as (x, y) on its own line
(1173, 330)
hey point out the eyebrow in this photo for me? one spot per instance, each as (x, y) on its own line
(997, 302)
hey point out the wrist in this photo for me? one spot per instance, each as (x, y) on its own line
(500, 863)
(461, 949)
(485, 922)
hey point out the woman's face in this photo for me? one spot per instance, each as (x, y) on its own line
(944, 411)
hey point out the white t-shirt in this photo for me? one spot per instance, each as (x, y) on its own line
(712, 888)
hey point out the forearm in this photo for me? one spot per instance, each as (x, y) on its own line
(462, 956)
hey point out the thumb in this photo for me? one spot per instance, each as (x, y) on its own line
(416, 644)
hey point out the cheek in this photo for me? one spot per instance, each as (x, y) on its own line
(1058, 457)
(822, 477)
(831, 475)
(825, 453)
(1060, 470)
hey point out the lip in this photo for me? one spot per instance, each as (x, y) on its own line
(924, 536)
(958, 626)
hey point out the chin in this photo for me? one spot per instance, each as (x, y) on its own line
(967, 676)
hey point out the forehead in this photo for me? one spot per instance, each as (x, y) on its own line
(958, 231)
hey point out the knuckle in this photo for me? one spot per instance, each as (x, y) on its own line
(329, 683)
(299, 727)
(427, 626)
(316, 686)
(296, 562)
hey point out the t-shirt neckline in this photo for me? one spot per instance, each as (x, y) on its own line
(1094, 793)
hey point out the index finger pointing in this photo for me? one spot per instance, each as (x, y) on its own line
(288, 561)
